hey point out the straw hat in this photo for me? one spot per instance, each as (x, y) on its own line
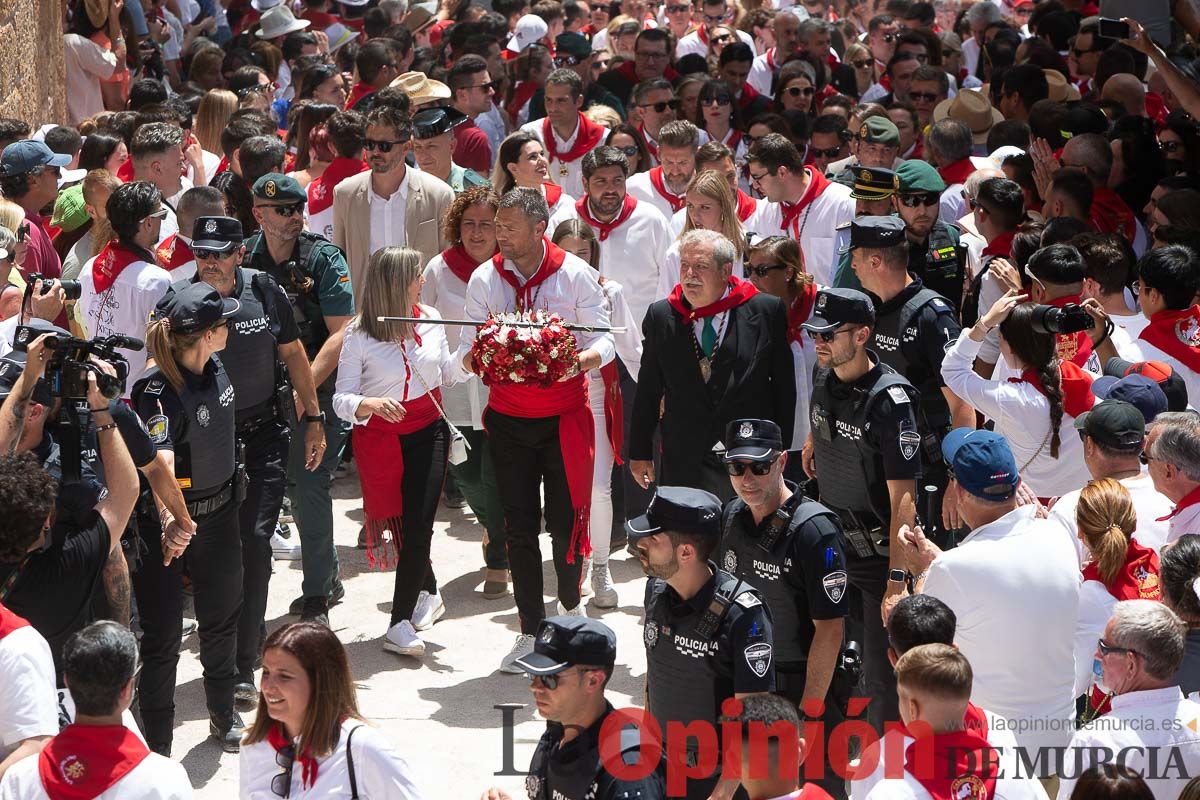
(973, 109)
(1061, 91)
(420, 88)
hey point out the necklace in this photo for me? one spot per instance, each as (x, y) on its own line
(706, 361)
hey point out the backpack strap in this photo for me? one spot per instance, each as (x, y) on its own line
(350, 763)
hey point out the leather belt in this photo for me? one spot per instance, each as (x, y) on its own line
(257, 416)
(214, 502)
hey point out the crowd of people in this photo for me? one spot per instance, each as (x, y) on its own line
(886, 350)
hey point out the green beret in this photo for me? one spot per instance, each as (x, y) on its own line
(278, 188)
(879, 130)
(916, 175)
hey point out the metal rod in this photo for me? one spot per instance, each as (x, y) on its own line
(568, 325)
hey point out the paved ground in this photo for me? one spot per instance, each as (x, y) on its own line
(438, 709)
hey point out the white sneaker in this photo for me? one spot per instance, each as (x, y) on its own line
(577, 611)
(403, 640)
(429, 609)
(585, 584)
(602, 585)
(285, 549)
(522, 647)
(190, 626)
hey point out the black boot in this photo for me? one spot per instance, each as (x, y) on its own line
(228, 729)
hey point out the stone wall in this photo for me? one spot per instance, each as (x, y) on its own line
(32, 71)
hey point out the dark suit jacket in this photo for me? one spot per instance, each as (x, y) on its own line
(752, 377)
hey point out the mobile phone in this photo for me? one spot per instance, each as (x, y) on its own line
(1113, 28)
(23, 232)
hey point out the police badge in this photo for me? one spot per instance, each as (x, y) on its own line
(210, 226)
(910, 441)
(533, 786)
(745, 430)
(203, 416)
(758, 657)
(650, 633)
(730, 563)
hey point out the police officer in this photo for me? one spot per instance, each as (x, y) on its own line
(708, 635)
(571, 663)
(789, 548)
(187, 402)
(433, 148)
(316, 279)
(872, 192)
(913, 327)
(864, 451)
(935, 252)
(264, 359)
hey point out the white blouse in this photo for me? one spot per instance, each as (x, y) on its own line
(402, 371)
(465, 401)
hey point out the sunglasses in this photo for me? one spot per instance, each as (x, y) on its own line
(797, 91)
(661, 107)
(160, 214)
(1107, 649)
(281, 784)
(382, 145)
(210, 255)
(629, 150)
(827, 336)
(724, 37)
(759, 468)
(286, 211)
(717, 100)
(715, 20)
(1145, 458)
(262, 88)
(923, 97)
(861, 64)
(566, 61)
(827, 152)
(551, 682)
(762, 271)
(923, 199)
(487, 87)
(889, 37)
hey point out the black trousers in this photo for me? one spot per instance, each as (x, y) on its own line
(424, 475)
(214, 562)
(266, 467)
(526, 454)
(869, 576)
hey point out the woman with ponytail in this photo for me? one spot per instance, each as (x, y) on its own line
(1181, 592)
(1119, 569)
(1035, 411)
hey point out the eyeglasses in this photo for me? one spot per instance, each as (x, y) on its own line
(210, 255)
(288, 210)
(763, 270)
(566, 61)
(281, 784)
(1170, 146)
(382, 145)
(1107, 649)
(827, 336)
(629, 150)
(889, 37)
(160, 214)
(757, 178)
(661, 107)
(717, 100)
(923, 199)
(923, 97)
(759, 468)
(861, 63)
(827, 152)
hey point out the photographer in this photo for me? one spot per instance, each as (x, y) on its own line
(44, 300)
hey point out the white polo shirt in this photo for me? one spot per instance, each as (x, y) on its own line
(155, 778)
(1002, 582)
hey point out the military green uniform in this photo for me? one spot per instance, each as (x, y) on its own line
(461, 178)
(940, 261)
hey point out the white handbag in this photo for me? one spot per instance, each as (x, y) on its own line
(459, 446)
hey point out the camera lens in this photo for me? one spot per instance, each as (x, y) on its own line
(73, 289)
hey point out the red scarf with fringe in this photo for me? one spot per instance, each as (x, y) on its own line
(660, 185)
(587, 135)
(111, 262)
(460, 263)
(84, 761)
(603, 229)
(1076, 387)
(963, 766)
(739, 292)
(1176, 333)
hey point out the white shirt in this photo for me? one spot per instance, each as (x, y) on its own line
(1022, 415)
(563, 209)
(639, 186)
(668, 277)
(27, 706)
(491, 122)
(379, 770)
(817, 224)
(952, 206)
(1186, 521)
(571, 292)
(804, 361)
(1152, 724)
(155, 778)
(124, 308)
(1001, 582)
(692, 44)
(387, 216)
(572, 182)
(971, 52)
(464, 401)
(402, 371)
(1147, 502)
(87, 64)
(761, 74)
(628, 344)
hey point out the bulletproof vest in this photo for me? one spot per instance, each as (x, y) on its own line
(764, 562)
(941, 263)
(298, 278)
(847, 466)
(205, 448)
(895, 337)
(970, 303)
(581, 779)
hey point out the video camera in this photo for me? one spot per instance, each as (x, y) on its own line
(70, 363)
(73, 289)
(1071, 318)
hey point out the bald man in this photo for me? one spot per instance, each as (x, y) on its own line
(1127, 90)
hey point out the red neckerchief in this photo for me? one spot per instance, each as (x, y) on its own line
(702, 35)
(649, 141)
(357, 93)
(551, 261)
(1138, 578)
(829, 91)
(954, 772)
(1176, 333)
(771, 59)
(1156, 108)
(461, 264)
(552, 192)
(958, 172)
(587, 135)
(732, 139)
(674, 200)
(975, 720)
(603, 229)
(111, 262)
(174, 252)
(320, 191)
(800, 310)
(1110, 214)
(739, 292)
(791, 211)
(747, 97)
(1074, 347)
(745, 205)
(1076, 387)
(1189, 499)
(222, 166)
(521, 95)
(125, 171)
(308, 764)
(809, 791)
(10, 622)
(84, 761)
(1000, 246)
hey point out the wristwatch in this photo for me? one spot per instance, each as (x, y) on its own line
(897, 576)
(315, 418)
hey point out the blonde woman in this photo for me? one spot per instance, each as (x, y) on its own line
(711, 206)
(388, 382)
(859, 57)
(216, 107)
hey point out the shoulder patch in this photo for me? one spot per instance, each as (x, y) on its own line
(157, 427)
(155, 387)
(758, 658)
(747, 600)
(898, 395)
(941, 306)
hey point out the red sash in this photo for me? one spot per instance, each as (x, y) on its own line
(10, 622)
(791, 211)
(960, 766)
(1110, 214)
(174, 252)
(551, 261)
(381, 473)
(1138, 578)
(308, 765)
(111, 262)
(800, 310)
(614, 408)
(358, 92)
(1074, 347)
(656, 180)
(1000, 246)
(1176, 333)
(460, 263)
(521, 95)
(1076, 387)
(1190, 499)
(603, 229)
(958, 172)
(84, 761)
(587, 135)
(745, 206)
(552, 192)
(739, 292)
(320, 191)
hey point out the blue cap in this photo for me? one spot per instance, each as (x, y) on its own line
(27, 155)
(1141, 392)
(983, 463)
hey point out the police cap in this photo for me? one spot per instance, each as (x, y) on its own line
(752, 440)
(873, 183)
(194, 308)
(561, 642)
(278, 188)
(680, 509)
(875, 233)
(435, 121)
(216, 233)
(879, 130)
(837, 307)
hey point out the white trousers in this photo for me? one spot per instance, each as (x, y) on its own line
(602, 510)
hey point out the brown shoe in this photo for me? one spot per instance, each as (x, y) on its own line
(495, 584)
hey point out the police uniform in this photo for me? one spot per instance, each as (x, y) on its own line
(433, 122)
(870, 183)
(197, 422)
(574, 770)
(316, 282)
(700, 650)
(264, 414)
(794, 558)
(864, 434)
(940, 261)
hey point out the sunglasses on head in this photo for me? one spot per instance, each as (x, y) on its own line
(923, 199)
(287, 211)
(925, 97)
(827, 152)
(759, 468)
(798, 91)
(382, 145)
(763, 270)
(827, 336)
(663, 106)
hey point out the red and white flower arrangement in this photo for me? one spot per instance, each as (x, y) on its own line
(538, 352)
